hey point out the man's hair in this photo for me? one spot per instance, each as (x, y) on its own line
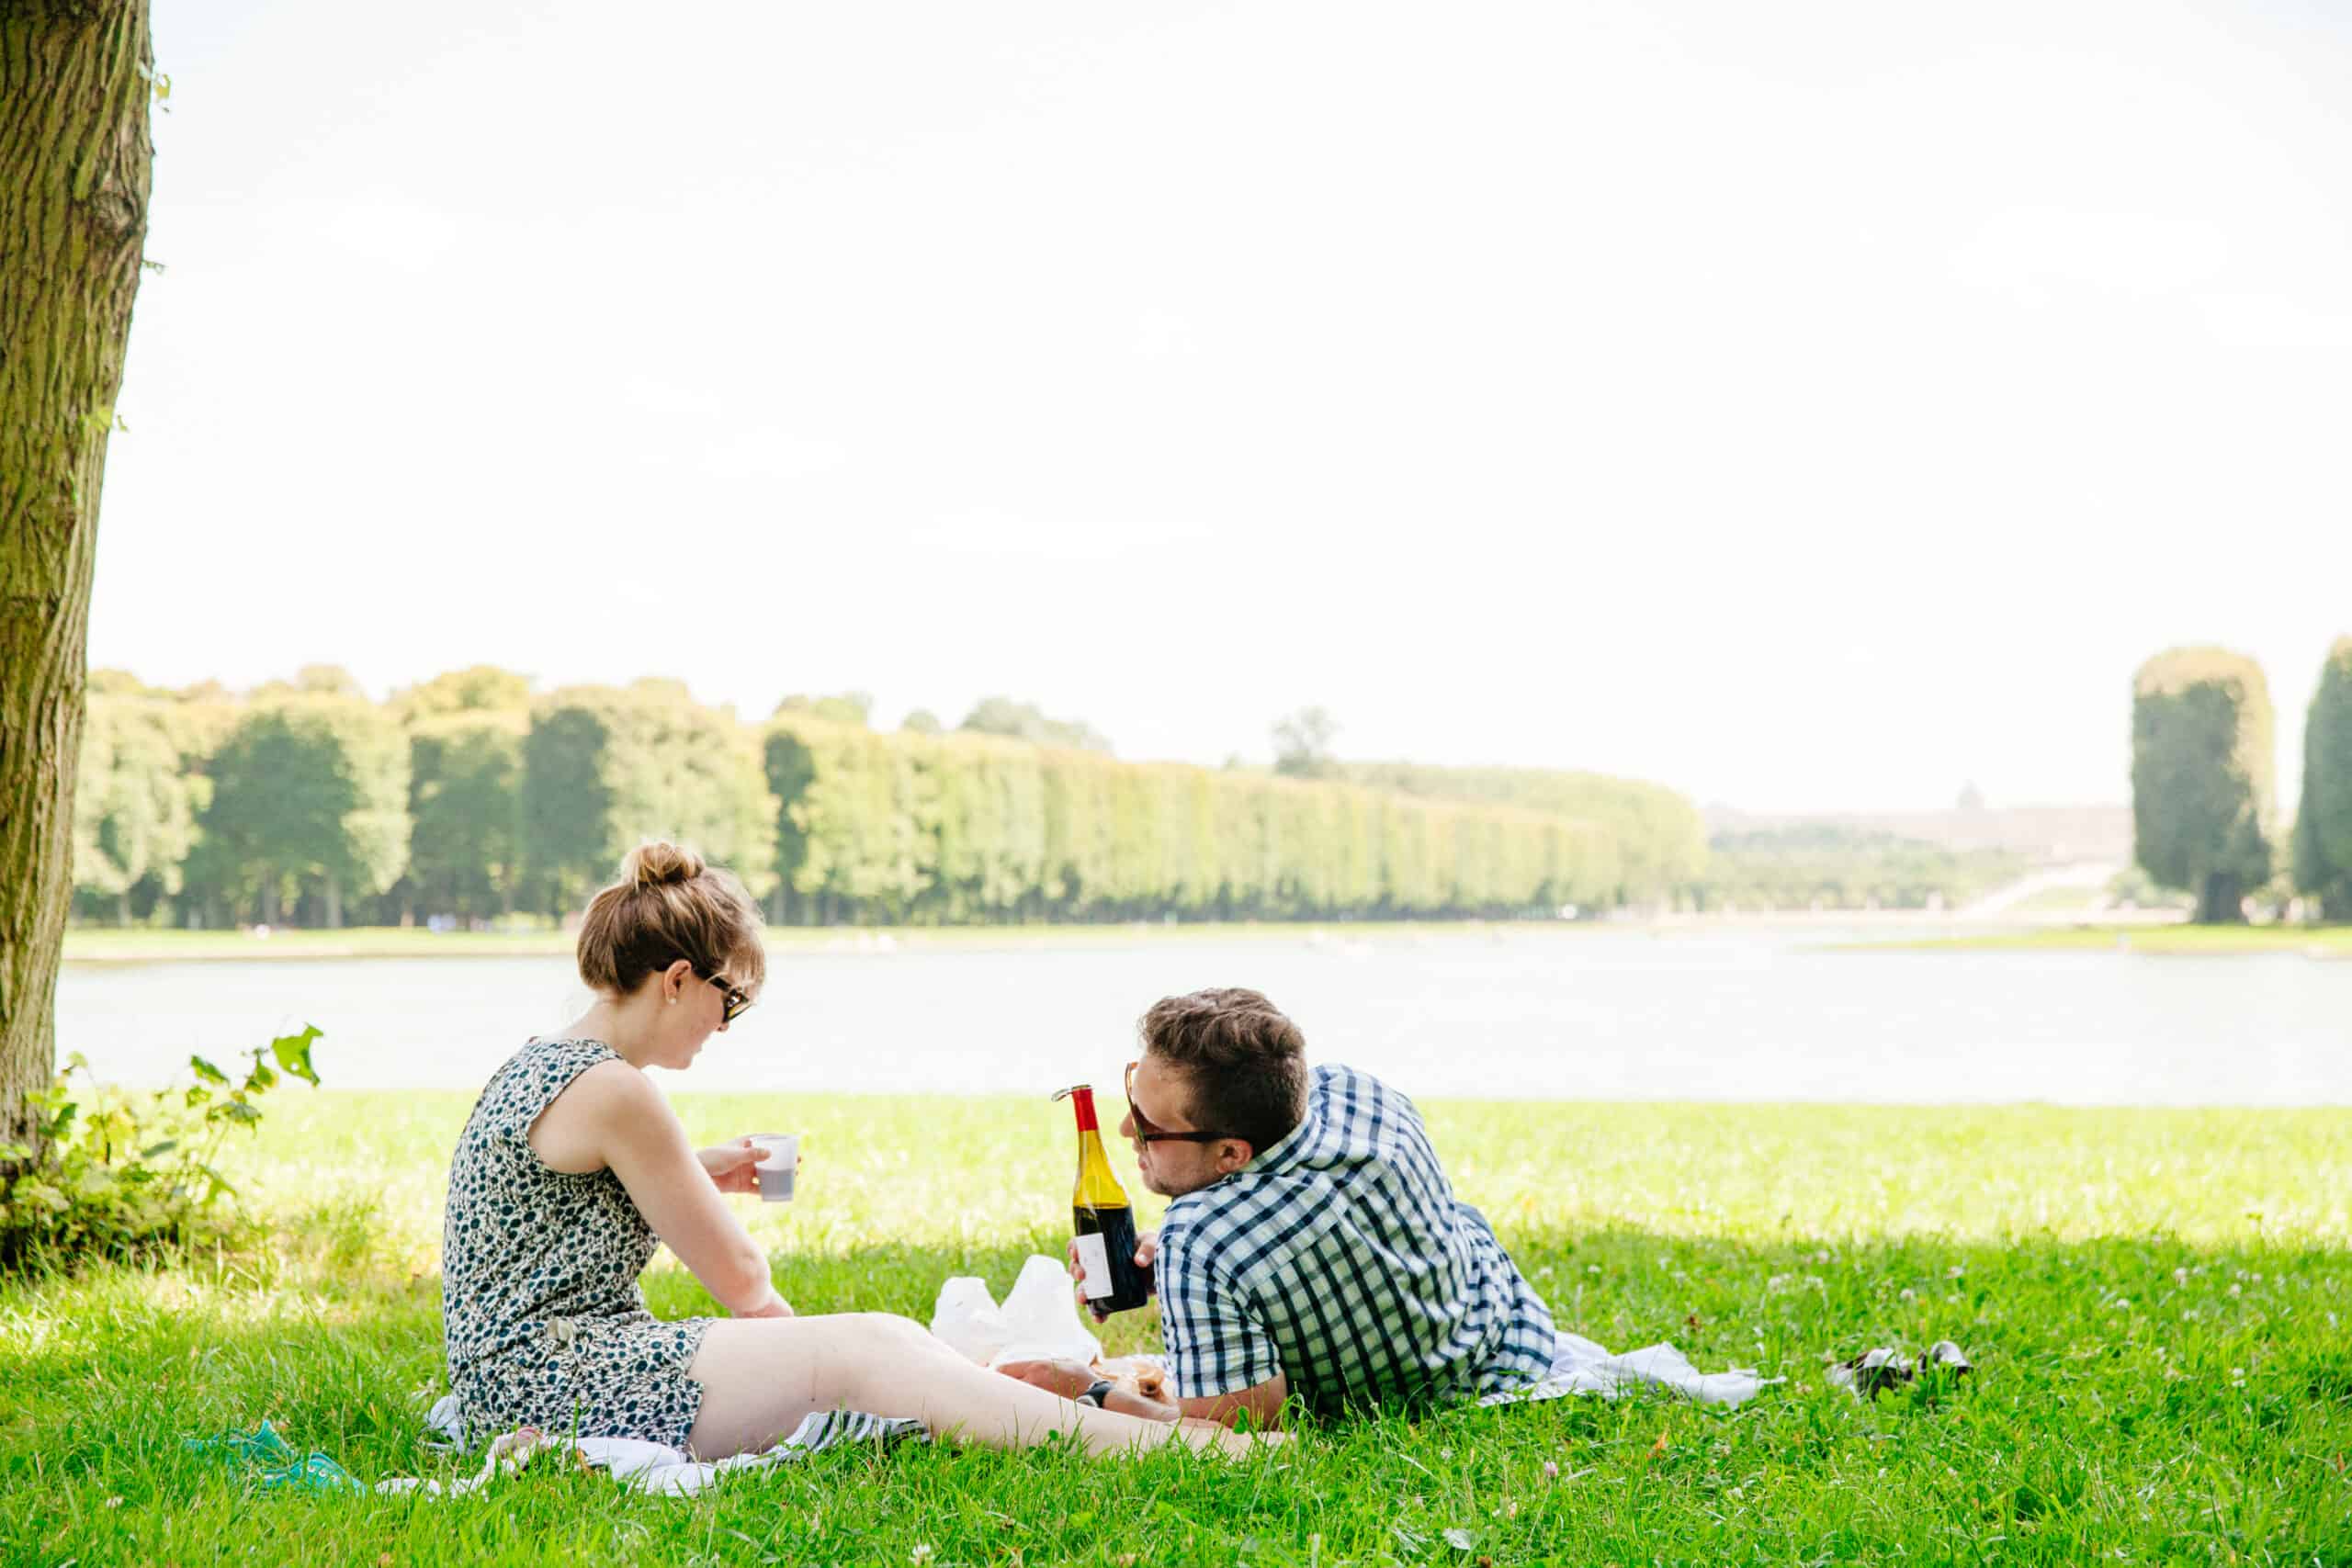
(1244, 1061)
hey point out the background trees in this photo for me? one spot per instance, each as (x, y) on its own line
(2201, 775)
(310, 805)
(2323, 849)
(467, 797)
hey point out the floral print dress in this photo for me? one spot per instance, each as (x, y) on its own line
(544, 1321)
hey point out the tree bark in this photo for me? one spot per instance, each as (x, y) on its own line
(76, 83)
(2221, 901)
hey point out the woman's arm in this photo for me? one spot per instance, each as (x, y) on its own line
(617, 1117)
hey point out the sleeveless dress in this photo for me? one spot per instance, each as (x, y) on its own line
(543, 1321)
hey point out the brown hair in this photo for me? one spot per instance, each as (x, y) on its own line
(669, 905)
(1244, 1061)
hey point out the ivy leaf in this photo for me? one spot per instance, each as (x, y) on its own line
(293, 1053)
(151, 1150)
(261, 1076)
(205, 1069)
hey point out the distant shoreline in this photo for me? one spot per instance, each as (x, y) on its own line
(105, 946)
(2157, 940)
(1906, 931)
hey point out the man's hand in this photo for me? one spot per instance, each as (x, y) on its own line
(1063, 1375)
(1146, 1259)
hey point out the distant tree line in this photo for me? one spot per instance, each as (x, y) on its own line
(2202, 788)
(471, 797)
(1830, 866)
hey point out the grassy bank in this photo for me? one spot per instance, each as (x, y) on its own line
(104, 944)
(2311, 942)
(2156, 1303)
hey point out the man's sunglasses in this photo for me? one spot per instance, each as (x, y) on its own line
(739, 1000)
(1147, 1133)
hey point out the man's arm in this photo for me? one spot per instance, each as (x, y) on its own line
(1069, 1378)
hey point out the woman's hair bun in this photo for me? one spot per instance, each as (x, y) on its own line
(660, 864)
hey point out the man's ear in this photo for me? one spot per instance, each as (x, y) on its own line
(1232, 1153)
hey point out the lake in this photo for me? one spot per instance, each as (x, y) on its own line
(1721, 1013)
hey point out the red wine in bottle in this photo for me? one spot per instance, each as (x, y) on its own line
(1104, 1221)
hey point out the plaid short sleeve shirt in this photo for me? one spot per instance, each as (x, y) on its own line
(1341, 1257)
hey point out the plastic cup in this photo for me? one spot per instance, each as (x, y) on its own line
(779, 1156)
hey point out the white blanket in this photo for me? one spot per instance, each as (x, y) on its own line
(1039, 1319)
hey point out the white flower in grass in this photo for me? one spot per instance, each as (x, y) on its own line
(1909, 1295)
(114, 1502)
(2237, 1289)
(2122, 1303)
(920, 1554)
(2180, 1276)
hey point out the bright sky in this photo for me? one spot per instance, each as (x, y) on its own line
(1809, 405)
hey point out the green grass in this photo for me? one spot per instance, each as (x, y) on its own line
(2314, 942)
(142, 945)
(2158, 1304)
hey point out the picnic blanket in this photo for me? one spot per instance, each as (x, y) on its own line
(1039, 1319)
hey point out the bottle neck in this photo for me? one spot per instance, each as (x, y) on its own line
(1081, 1101)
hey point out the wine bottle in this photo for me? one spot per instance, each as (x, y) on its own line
(1105, 1221)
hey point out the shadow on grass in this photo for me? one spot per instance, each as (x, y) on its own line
(2132, 1393)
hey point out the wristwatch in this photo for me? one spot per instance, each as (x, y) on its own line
(1098, 1394)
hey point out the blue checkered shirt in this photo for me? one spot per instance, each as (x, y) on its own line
(1341, 1257)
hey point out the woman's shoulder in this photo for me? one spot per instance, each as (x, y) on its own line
(535, 1074)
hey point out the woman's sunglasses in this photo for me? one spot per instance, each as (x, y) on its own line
(739, 1000)
(1147, 1133)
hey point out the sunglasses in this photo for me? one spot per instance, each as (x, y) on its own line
(1146, 1132)
(739, 1000)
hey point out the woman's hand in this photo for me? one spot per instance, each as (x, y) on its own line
(730, 1166)
(774, 1306)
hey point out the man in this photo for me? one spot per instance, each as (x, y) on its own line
(1313, 1249)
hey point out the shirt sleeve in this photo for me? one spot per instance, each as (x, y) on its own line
(1213, 1344)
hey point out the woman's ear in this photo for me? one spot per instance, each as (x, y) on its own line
(674, 978)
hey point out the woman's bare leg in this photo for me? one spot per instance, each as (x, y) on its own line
(761, 1376)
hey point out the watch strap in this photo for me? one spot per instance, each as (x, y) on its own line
(1096, 1394)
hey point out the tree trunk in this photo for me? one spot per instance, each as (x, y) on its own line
(2221, 901)
(76, 78)
(334, 902)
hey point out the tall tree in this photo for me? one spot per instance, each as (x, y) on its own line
(76, 160)
(310, 794)
(135, 806)
(1303, 744)
(604, 768)
(1025, 721)
(2324, 821)
(465, 804)
(2201, 776)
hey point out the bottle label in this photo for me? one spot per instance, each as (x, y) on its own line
(1095, 1267)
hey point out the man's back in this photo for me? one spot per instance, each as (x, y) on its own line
(1342, 1258)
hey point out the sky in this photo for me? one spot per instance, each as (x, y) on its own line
(1812, 406)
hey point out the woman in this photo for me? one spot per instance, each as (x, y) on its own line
(573, 1169)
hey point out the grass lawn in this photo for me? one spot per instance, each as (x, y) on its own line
(2312, 942)
(2156, 1303)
